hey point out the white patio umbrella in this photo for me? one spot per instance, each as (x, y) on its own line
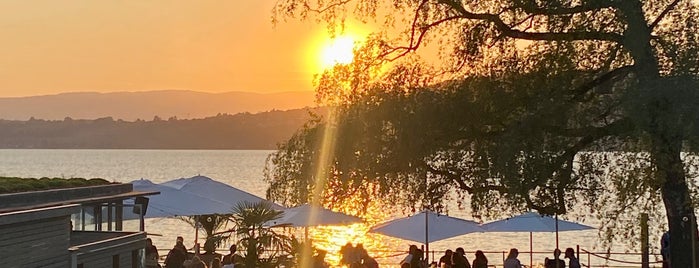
(534, 222)
(312, 215)
(172, 202)
(426, 227)
(216, 190)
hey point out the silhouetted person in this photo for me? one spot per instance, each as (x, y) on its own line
(349, 255)
(573, 261)
(511, 261)
(418, 255)
(556, 262)
(318, 260)
(151, 254)
(665, 249)
(445, 260)
(177, 255)
(459, 260)
(367, 261)
(411, 255)
(480, 261)
(232, 257)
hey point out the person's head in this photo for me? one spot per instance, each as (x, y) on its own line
(233, 248)
(513, 253)
(149, 242)
(360, 250)
(364, 254)
(321, 254)
(570, 252)
(346, 248)
(460, 251)
(412, 249)
(480, 255)
(556, 253)
(448, 252)
(419, 254)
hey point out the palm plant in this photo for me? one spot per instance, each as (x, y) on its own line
(256, 238)
(212, 225)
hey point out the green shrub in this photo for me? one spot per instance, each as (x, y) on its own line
(16, 185)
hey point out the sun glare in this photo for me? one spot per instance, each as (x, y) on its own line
(338, 51)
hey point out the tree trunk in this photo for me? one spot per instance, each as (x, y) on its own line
(251, 257)
(664, 128)
(678, 205)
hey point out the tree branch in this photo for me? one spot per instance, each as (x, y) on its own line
(322, 10)
(455, 178)
(535, 36)
(611, 75)
(663, 14)
(615, 128)
(414, 45)
(582, 8)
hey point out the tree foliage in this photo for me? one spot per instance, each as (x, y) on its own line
(262, 246)
(549, 105)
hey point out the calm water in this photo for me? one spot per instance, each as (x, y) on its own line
(243, 169)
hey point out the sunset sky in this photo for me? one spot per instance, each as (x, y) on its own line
(50, 47)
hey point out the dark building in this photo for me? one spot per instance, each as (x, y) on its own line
(75, 227)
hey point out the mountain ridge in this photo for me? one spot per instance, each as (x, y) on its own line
(134, 105)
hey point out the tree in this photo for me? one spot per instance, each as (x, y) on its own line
(256, 238)
(212, 225)
(533, 87)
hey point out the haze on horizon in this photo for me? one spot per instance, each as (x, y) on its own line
(53, 47)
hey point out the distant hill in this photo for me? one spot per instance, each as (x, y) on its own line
(146, 105)
(239, 131)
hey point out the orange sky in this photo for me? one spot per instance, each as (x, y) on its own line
(52, 46)
(109, 45)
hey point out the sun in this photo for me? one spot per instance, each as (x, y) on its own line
(339, 50)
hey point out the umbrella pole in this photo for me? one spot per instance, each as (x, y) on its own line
(427, 240)
(531, 250)
(556, 230)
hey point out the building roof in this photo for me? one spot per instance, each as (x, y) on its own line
(67, 196)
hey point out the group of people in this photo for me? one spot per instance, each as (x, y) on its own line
(178, 257)
(352, 257)
(512, 262)
(458, 259)
(356, 257)
(556, 262)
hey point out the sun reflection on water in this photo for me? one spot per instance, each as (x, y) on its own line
(331, 238)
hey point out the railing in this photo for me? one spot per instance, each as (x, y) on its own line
(391, 258)
(617, 259)
(497, 258)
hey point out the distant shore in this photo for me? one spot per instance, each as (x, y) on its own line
(244, 131)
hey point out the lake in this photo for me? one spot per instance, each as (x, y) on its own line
(244, 170)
